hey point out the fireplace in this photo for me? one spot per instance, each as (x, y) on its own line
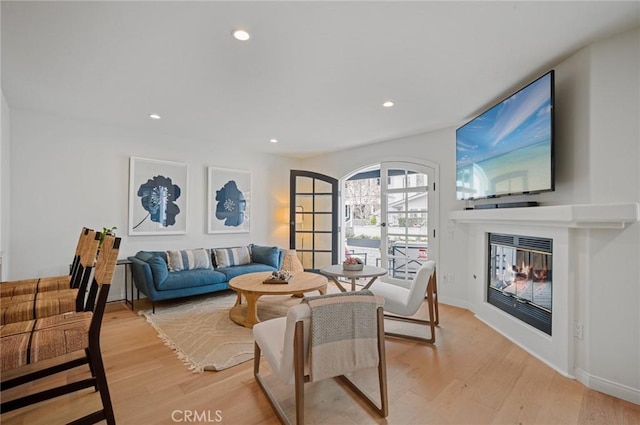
(520, 278)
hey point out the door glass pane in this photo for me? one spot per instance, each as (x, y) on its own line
(304, 184)
(304, 203)
(323, 222)
(323, 241)
(322, 259)
(323, 187)
(306, 258)
(406, 256)
(396, 179)
(323, 203)
(303, 241)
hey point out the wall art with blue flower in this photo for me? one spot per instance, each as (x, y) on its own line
(157, 197)
(229, 201)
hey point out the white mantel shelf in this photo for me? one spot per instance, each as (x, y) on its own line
(587, 216)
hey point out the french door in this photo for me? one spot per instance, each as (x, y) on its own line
(407, 232)
(313, 219)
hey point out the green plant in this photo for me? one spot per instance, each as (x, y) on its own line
(106, 231)
(373, 220)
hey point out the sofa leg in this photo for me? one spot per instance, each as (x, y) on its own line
(153, 307)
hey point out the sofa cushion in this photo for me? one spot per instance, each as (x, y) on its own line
(159, 269)
(144, 255)
(233, 271)
(188, 259)
(190, 279)
(226, 257)
(268, 255)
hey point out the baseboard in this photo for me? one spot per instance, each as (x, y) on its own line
(614, 389)
(453, 302)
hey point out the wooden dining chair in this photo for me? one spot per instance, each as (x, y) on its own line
(326, 336)
(30, 342)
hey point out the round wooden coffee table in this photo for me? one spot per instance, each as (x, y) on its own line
(251, 286)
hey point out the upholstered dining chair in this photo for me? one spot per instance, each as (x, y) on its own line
(38, 305)
(52, 283)
(323, 337)
(30, 342)
(403, 299)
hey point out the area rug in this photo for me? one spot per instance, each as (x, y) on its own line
(202, 335)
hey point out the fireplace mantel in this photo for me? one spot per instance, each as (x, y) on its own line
(585, 216)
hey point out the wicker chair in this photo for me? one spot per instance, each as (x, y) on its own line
(33, 341)
(51, 283)
(38, 305)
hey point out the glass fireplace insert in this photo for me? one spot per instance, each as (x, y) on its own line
(521, 278)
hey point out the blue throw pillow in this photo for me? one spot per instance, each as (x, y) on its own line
(268, 255)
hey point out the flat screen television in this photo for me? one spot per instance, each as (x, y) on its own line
(508, 149)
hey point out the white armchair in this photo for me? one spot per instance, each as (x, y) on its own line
(287, 349)
(403, 299)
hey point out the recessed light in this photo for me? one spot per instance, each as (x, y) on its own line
(273, 140)
(154, 116)
(241, 35)
(388, 104)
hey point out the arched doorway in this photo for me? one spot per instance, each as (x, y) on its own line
(389, 216)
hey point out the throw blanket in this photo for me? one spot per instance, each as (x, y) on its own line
(343, 333)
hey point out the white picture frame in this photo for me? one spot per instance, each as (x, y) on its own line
(157, 197)
(228, 201)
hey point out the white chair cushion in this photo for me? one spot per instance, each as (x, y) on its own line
(270, 337)
(275, 338)
(395, 297)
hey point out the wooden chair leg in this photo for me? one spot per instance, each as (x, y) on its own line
(383, 409)
(298, 365)
(103, 387)
(434, 294)
(267, 392)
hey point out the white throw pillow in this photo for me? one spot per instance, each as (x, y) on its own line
(188, 260)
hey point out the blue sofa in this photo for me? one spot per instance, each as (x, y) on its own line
(152, 276)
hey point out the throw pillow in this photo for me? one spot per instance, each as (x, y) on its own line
(268, 255)
(188, 259)
(226, 257)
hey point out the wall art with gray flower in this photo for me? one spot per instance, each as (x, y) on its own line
(229, 201)
(157, 197)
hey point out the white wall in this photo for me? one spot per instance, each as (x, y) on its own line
(66, 174)
(5, 189)
(611, 348)
(597, 151)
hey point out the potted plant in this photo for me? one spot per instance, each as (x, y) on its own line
(352, 264)
(106, 231)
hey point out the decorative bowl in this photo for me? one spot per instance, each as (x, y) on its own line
(352, 267)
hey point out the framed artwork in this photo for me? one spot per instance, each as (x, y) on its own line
(229, 201)
(157, 197)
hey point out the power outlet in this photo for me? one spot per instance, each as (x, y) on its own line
(578, 330)
(448, 277)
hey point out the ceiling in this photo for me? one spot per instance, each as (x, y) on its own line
(314, 75)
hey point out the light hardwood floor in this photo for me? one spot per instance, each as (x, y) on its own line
(472, 375)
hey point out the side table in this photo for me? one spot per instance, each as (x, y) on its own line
(127, 272)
